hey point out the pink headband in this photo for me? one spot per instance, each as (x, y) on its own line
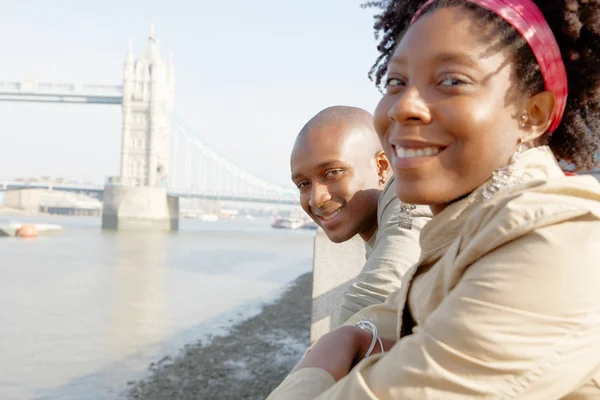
(529, 21)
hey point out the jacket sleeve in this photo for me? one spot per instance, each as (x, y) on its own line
(523, 322)
(395, 251)
(308, 383)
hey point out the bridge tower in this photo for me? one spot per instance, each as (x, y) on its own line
(148, 94)
(140, 199)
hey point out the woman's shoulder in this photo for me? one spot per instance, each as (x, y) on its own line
(523, 209)
(539, 201)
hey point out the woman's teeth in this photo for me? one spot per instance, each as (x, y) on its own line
(403, 152)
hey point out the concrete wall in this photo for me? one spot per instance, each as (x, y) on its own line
(24, 199)
(34, 200)
(139, 208)
(334, 266)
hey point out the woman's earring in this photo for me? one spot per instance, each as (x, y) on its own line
(502, 177)
(523, 123)
(382, 180)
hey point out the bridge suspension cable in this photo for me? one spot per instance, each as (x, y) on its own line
(199, 169)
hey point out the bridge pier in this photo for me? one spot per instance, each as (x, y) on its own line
(139, 208)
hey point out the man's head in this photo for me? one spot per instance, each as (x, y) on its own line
(339, 167)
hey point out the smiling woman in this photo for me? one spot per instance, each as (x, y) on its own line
(445, 95)
(452, 102)
(482, 99)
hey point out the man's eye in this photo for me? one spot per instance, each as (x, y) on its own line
(332, 173)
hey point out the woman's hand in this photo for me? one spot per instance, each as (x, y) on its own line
(365, 343)
(338, 351)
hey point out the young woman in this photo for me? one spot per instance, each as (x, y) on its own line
(483, 99)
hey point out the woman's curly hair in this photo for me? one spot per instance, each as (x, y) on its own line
(576, 26)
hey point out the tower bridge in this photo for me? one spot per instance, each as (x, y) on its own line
(161, 160)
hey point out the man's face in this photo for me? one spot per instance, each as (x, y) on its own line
(338, 180)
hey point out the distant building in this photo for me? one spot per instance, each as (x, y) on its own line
(52, 201)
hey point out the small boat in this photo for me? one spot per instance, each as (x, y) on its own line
(38, 227)
(28, 230)
(287, 223)
(208, 217)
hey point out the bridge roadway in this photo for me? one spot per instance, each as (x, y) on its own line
(99, 191)
(44, 92)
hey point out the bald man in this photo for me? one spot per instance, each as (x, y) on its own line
(347, 188)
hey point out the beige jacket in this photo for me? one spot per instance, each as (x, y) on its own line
(504, 302)
(390, 253)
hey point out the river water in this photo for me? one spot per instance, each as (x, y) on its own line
(85, 311)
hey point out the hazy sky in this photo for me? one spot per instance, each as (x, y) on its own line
(248, 75)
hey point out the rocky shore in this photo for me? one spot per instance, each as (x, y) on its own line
(246, 363)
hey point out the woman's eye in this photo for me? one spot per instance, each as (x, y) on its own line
(452, 81)
(393, 82)
(302, 185)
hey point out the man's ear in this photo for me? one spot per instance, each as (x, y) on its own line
(383, 166)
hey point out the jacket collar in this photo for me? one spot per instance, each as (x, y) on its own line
(537, 163)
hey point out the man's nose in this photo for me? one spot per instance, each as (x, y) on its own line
(319, 196)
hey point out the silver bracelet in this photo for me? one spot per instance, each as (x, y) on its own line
(370, 326)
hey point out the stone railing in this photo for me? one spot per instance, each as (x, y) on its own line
(334, 267)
